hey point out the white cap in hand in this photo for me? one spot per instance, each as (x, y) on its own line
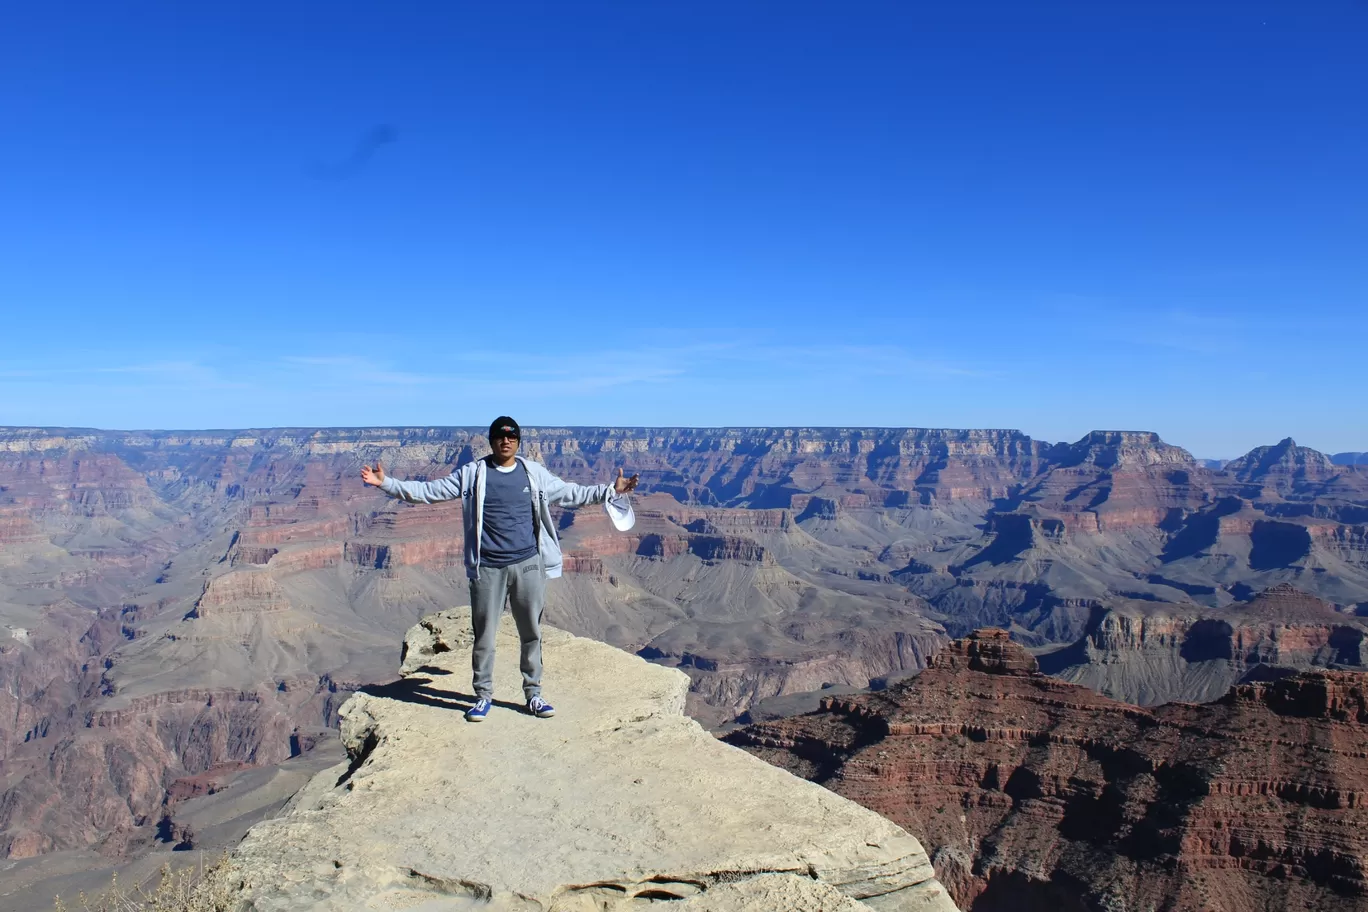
(619, 510)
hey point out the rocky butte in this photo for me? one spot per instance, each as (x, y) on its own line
(618, 803)
(1036, 794)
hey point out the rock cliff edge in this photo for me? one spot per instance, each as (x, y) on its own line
(617, 802)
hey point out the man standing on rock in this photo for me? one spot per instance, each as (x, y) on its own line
(511, 547)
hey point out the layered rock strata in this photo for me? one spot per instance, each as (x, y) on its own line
(1148, 654)
(1034, 794)
(147, 577)
(617, 802)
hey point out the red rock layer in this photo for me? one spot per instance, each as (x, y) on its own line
(119, 772)
(1113, 480)
(241, 592)
(1034, 794)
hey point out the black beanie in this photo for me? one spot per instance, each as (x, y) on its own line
(503, 426)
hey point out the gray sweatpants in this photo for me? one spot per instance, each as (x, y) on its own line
(524, 588)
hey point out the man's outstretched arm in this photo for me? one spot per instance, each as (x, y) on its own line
(569, 494)
(448, 488)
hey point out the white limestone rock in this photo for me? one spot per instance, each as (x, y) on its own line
(618, 801)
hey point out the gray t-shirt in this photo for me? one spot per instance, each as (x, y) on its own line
(508, 535)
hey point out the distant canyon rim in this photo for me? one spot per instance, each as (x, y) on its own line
(180, 609)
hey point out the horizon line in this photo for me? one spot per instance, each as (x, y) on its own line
(620, 427)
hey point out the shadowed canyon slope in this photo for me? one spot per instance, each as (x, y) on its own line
(180, 607)
(1034, 794)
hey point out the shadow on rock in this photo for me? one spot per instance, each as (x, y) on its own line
(415, 689)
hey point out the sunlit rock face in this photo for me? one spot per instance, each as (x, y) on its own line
(623, 800)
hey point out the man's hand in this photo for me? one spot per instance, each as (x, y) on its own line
(624, 485)
(376, 476)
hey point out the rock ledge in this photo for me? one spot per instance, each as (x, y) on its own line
(618, 802)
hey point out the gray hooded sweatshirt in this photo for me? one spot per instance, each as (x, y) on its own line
(468, 483)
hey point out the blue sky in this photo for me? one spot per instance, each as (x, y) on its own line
(1054, 216)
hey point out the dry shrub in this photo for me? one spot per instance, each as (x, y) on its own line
(195, 888)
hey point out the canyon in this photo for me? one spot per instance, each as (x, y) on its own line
(181, 610)
(1031, 793)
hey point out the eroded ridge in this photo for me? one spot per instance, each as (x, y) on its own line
(1033, 790)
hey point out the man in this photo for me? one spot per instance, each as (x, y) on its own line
(511, 547)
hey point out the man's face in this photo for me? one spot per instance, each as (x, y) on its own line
(504, 445)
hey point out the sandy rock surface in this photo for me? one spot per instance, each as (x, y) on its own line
(618, 802)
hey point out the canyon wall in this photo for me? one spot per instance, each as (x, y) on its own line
(1035, 794)
(181, 604)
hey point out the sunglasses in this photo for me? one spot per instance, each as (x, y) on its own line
(505, 432)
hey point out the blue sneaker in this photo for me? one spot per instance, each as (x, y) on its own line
(478, 712)
(540, 708)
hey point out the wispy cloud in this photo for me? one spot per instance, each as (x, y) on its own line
(170, 371)
(354, 369)
(1169, 326)
(871, 360)
(184, 371)
(508, 371)
(690, 382)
